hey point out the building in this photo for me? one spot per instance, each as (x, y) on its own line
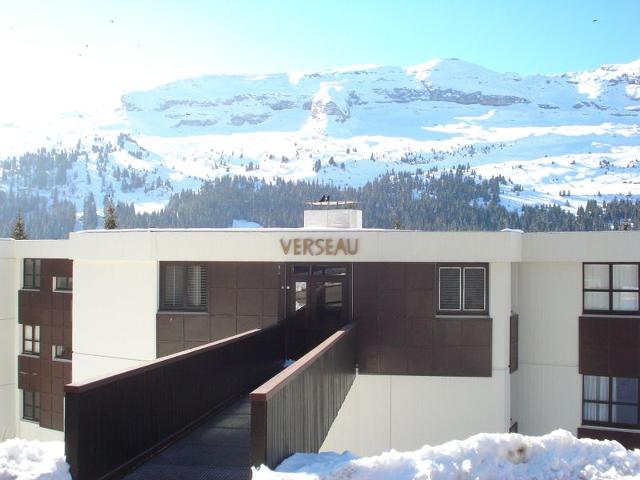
(457, 332)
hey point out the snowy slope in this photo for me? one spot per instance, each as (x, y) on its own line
(549, 134)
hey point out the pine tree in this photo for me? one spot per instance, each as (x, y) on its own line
(19, 230)
(89, 215)
(110, 219)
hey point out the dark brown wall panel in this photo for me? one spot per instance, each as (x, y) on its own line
(170, 328)
(609, 346)
(242, 296)
(398, 332)
(249, 275)
(169, 348)
(223, 326)
(196, 328)
(513, 342)
(52, 311)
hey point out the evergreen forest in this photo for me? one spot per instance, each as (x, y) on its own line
(445, 201)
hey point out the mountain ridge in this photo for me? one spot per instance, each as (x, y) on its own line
(340, 102)
(576, 132)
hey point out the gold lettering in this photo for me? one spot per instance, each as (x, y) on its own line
(285, 246)
(354, 250)
(306, 246)
(319, 246)
(329, 246)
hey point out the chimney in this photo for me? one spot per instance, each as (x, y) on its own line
(333, 214)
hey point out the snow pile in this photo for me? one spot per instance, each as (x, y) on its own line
(558, 455)
(32, 460)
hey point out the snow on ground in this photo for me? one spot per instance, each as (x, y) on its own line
(32, 460)
(558, 455)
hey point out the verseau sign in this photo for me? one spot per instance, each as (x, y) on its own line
(319, 246)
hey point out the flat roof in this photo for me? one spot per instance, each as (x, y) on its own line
(331, 245)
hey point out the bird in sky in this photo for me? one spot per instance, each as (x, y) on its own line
(594, 20)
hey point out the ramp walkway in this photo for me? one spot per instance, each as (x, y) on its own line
(218, 449)
(190, 415)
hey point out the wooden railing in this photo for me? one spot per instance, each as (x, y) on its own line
(114, 422)
(293, 411)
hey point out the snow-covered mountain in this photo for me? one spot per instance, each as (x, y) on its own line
(386, 101)
(559, 138)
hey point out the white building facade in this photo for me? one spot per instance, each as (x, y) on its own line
(458, 332)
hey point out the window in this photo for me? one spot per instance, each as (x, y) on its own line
(328, 270)
(31, 405)
(610, 401)
(60, 352)
(31, 278)
(462, 289)
(319, 270)
(611, 288)
(63, 284)
(183, 287)
(31, 339)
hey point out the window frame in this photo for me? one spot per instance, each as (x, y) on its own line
(68, 281)
(163, 307)
(34, 405)
(34, 338)
(35, 275)
(463, 311)
(56, 357)
(609, 290)
(610, 403)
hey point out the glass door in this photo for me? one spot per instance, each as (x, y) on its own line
(317, 305)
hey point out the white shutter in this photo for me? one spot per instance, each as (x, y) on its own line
(450, 288)
(474, 289)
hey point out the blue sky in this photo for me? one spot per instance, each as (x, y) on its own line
(120, 45)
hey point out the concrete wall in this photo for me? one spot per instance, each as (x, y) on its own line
(333, 218)
(114, 316)
(547, 390)
(8, 341)
(405, 412)
(607, 246)
(514, 378)
(33, 431)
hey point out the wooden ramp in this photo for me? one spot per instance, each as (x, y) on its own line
(216, 449)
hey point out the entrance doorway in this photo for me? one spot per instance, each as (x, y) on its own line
(318, 304)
